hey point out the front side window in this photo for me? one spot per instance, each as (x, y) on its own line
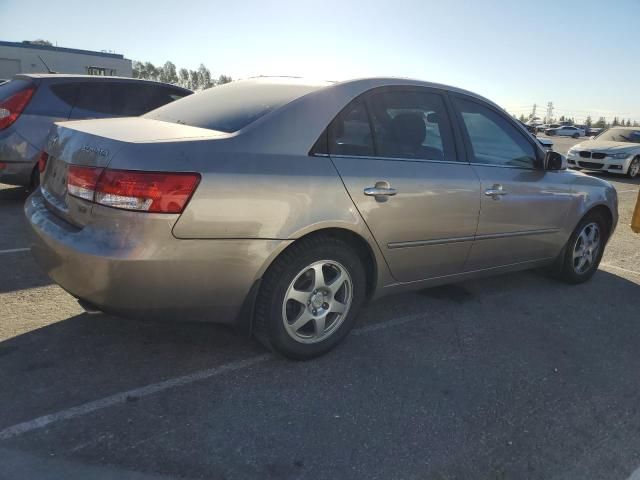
(494, 141)
(411, 124)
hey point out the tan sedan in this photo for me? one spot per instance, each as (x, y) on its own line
(281, 205)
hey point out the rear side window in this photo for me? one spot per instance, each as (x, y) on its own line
(233, 106)
(494, 141)
(67, 92)
(411, 124)
(350, 132)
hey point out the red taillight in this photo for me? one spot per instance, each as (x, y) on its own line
(81, 181)
(12, 107)
(42, 161)
(156, 192)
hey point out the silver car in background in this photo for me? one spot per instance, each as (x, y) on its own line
(31, 103)
(281, 205)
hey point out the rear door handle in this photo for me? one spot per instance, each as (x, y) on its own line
(495, 191)
(380, 189)
(375, 191)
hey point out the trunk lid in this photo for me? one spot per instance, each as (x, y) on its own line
(95, 143)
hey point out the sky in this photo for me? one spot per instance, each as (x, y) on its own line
(582, 56)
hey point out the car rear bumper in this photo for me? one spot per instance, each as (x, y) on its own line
(139, 269)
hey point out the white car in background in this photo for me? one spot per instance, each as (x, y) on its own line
(566, 131)
(616, 150)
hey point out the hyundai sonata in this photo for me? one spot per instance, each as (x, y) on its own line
(281, 205)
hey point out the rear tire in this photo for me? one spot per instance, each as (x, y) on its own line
(298, 308)
(634, 168)
(34, 180)
(584, 249)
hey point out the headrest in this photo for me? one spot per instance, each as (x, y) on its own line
(409, 128)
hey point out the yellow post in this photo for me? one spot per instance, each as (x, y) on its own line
(635, 220)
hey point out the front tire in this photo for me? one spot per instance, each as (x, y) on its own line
(310, 297)
(584, 249)
(634, 168)
(575, 135)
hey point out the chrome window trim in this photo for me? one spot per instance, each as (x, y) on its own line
(492, 165)
(397, 159)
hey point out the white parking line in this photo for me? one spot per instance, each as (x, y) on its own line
(14, 250)
(118, 398)
(635, 475)
(608, 265)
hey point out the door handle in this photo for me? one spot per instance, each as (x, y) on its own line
(375, 191)
(381, 189)
(495, 191)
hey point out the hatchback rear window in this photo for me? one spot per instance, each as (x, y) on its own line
(14, 86)
(231, 107)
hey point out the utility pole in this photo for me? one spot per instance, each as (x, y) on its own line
(549, 116)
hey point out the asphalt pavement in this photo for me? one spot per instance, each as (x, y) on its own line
(509, 377)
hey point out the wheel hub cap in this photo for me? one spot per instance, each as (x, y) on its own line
(586, 248)
(317, 301)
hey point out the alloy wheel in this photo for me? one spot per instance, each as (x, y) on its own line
(634, 168)
(586, 248)
(317, 301)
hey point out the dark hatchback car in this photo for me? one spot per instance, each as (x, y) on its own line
(29, 104)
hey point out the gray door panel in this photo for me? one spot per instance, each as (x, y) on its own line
(525, 223)
(427, 228)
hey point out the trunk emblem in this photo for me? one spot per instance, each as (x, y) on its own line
(102, 152)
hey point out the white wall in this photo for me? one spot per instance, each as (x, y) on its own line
(61, 62)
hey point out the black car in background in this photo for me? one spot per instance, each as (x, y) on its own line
(30, 104)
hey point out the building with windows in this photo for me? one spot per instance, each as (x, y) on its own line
(24, 57)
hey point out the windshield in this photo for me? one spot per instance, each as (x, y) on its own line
(233, 106)
(620, 135)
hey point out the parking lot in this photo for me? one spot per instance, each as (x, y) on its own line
(510, 377)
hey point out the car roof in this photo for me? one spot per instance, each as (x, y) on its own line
(93, 78)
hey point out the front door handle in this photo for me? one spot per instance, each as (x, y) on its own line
(380, 189)
(495, 191)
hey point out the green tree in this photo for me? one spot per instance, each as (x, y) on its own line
(204, 77)
(635, 123)
(222, 79)
(615, 122)
(169, 73)
(194, 81)
(522, 118)
(588, 121)
(601, 123)
(39, 41)
(628, 123)
(183, 78)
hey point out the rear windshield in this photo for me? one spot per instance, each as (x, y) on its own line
(231, 107)
(9, 88)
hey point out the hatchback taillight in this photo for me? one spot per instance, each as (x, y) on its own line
(12, 107)
(42, 161)
(157, 192)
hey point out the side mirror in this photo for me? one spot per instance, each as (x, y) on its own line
(554, 161)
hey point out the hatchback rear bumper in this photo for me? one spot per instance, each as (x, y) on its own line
(139, 269)
(19, 158)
